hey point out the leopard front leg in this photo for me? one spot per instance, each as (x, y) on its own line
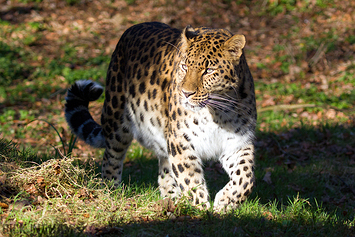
(187, 171)
(166, 180)
(240, 168)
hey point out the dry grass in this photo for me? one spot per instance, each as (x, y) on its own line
(69, 192)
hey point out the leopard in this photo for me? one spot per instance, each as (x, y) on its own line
(188, 95)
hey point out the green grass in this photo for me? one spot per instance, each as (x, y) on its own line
(12, 67)
(76, 202)
(311, 93)
(27, 74)
(30, 83)
(277, 7)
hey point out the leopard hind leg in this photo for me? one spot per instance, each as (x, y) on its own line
(115, 152)
(119, 135)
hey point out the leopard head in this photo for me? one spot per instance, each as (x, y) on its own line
(208, 67)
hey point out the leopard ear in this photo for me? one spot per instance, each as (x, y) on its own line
(187, 35)
(189, 32)
(235, 45)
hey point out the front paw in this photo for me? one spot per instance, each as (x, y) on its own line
(223, 202)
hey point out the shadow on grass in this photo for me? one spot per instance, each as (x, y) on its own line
(234, 224)
(13, 14)
(315, 163)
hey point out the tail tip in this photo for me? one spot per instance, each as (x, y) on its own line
(86, 90)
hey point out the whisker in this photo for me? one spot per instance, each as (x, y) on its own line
(220, 104)
(217, 107)
(223, 107)
(173, 46)
(184, 57)
(235, 90)
(231, 106)
(226, 101)
(230, 100)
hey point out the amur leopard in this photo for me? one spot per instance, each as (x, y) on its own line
(187, 95)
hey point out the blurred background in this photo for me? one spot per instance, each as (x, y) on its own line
(301, 54)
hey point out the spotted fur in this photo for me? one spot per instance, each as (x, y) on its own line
(187, 95)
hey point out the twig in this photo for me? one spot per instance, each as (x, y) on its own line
(317, 56)
(285, 106)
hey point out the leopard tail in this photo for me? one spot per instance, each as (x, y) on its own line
(77, 112)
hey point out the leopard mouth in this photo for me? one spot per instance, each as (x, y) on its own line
(193, 103)
(194, 106)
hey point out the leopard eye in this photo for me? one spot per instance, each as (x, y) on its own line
(183, 67)
(209, 70)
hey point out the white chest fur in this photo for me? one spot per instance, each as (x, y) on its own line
(212, 140)
(209, 139)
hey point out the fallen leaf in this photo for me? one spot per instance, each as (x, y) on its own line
(4, 216)
(38, 200)
(57, 169)
(40, 180)
(30, 188)
(167, 204)
(83, 192)
(267, 177)
(2, 179)
(268, 215)
(4, 205)
(330, 114)
(268, 101)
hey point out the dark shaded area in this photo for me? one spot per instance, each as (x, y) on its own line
(16, 14)
(313, 162)
(12, 68)
(208, 225)
(316, 163)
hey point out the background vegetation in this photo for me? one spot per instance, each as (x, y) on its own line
(301, 54)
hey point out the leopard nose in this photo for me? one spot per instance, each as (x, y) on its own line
(187, 94)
